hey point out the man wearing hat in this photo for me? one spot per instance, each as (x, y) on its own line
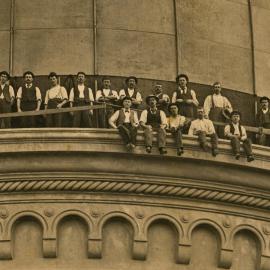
(55, 98)
(204, 128)
(28, 99)
(217, 107)
(263, 121)
(132, 92)
(108, 97)
(236, 133)
(184, 97)
(163, 99)
(151, 120)
(81, 95)
(176, 123)
(126, 120)
(7, 97)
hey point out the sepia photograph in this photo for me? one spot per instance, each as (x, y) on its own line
(134, 134)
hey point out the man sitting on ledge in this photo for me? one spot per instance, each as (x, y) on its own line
(176, 123)
(237, 134)
(203, 128)
(126, 120)
(151, 120)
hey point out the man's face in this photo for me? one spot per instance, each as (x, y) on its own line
(81, 78)
(235, 118)
(174, 110)
(265, 104)
(217, 88)
(152, 102)
(3, 78)
(182, 82)
(200, 113)
(158, 89)
(106, 84)
(28, 78)
(53, 80)
(127, 103)
(131, 83)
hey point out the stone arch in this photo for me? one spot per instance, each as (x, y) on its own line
(258, 235)
(122, 215)
(75, 213)
(168, 218)
(16, 217)
(211, 224)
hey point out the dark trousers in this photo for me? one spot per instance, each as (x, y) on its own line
(247, 145)
(82, 118)
(128, 133)
(177, 135)
(28, 121)
(216, 116)
(202, 138)
(5, 107)
(186, 110)
(104, 115)
(264, 139)
(54, 120)
(161, 137)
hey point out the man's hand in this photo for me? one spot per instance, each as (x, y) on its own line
(59, 106)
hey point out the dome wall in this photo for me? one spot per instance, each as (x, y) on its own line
(209, 40)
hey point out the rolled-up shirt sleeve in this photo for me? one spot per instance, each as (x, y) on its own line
(144, 117)
(91, 95)
(64, 93)
(174, 97)
(46, 97)
(38, 93)
(163, 118)
(71, 95)
(19, 93)
(11, 92)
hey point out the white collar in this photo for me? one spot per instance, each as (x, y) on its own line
(28, 85)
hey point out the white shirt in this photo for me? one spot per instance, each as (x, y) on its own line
(162, 116)
(38, 93)
(115, 116)
(205, 125)
(56, 92)
(184, 91)
(265, 110)
(81, 93)
(227, 131)
(122, 94)
(10, 89)
(219, 101)
(106, 93)
(176, 122)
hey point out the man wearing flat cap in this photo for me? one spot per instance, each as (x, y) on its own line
(132, 92)
(184, 97)
(7, 97)
(151, 120)
(236, 133)
(126, 121)
(263, 121)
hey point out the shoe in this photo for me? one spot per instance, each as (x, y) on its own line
(214, 152)
(237, 156)
(128, 146)
(250, 158)
(148, 149)
(180, 151)
(162, 150)
(132, 146)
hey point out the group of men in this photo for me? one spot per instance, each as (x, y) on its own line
(175, 115)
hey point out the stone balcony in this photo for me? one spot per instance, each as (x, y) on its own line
(56, 180)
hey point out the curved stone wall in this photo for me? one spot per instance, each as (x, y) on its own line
(87, 203)
(209, 40)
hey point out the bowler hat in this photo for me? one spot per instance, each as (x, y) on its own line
(264, 98)
(182, 76)
(126, 98)
(235, 113)
(151, 96)
(131, 77)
